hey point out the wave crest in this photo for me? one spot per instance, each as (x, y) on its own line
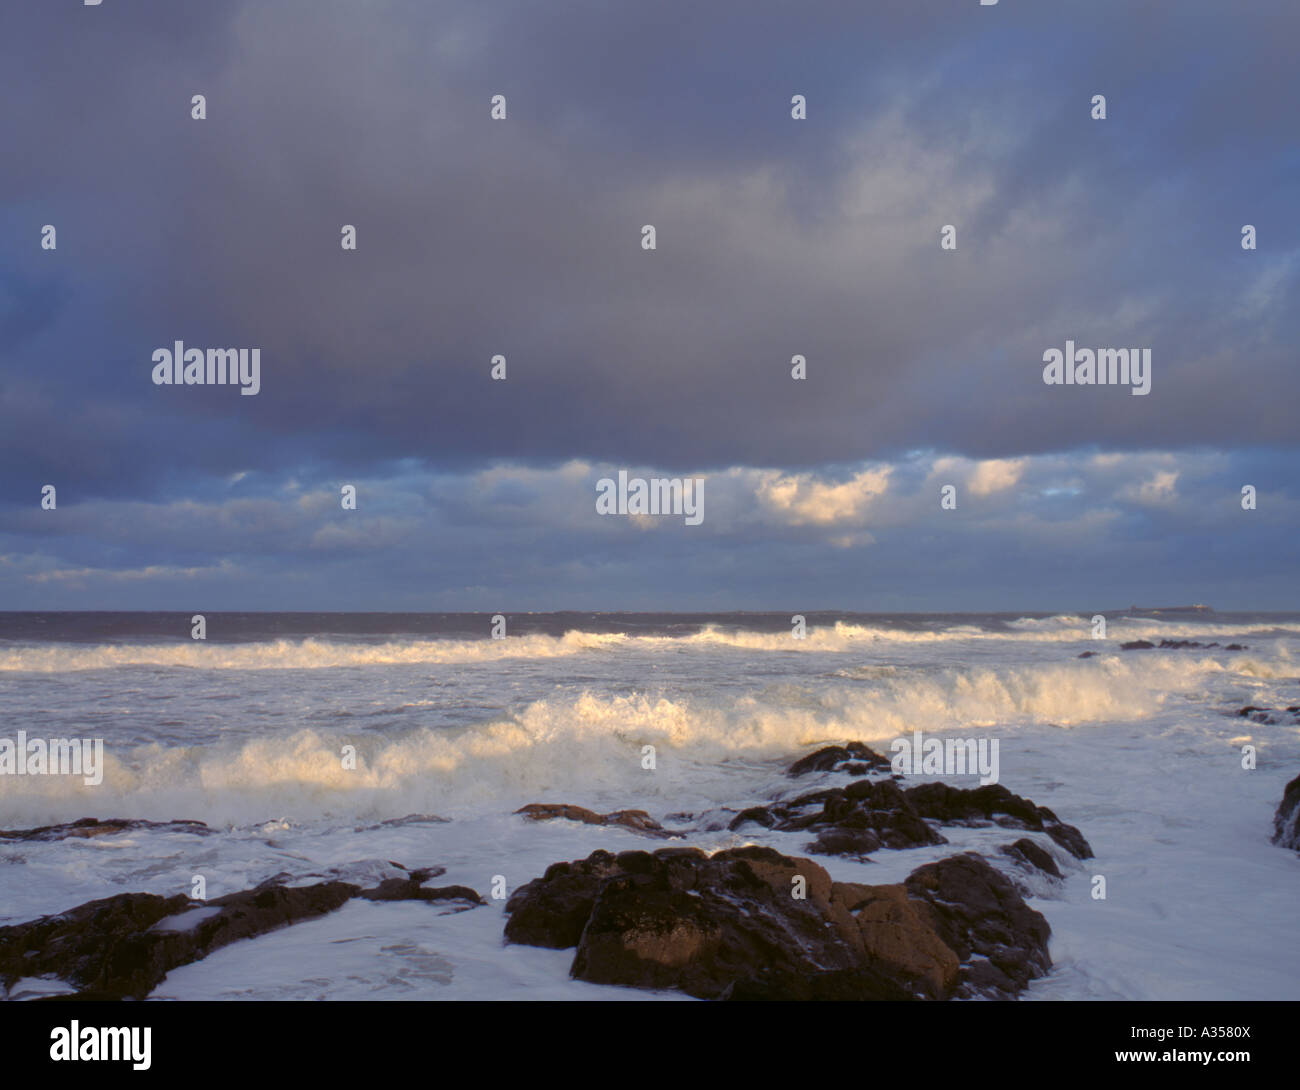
(587, 748)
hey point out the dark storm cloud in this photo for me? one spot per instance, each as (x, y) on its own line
(776, 237)
(522, 238)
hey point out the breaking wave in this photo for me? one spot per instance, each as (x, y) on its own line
(587, 747)
(843, 637)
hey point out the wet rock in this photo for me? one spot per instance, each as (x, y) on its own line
(362, 873)
(1070, 839)
(1236, 647)
(975, 805)
(729, 926)
(637, 820)
(124, 946)
(1026, 851)
(1136, 645)
(88, 827)
(900, 932)
(977, 913)
(882, 808)
(1087, 654)
(759, 815)
(868, 815)
(410, 889)
(1286, 822)
(854, 842)
(552, 910)
(853, 757)
(852, 820)
(993, 802)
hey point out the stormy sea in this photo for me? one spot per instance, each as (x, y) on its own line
(465, 754)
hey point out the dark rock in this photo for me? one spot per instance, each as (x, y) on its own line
(718, 926)
(88, 946)
(122, 947)
(553, 910)
(956, 805)
(953, 805)
(728, 926)
(809, 800)
(644, 933)
(897, 930)
(1032, 855)
(1286, 823)
(882, 808)
(868, 815)
(1087, 654)
(1236, 647)
(760, 815)
(637, 820)
(410, 889)
(846, 758)
(1181, 644)
(977, 911)
(88, 827)
(856, 842)
(851, 820)
(1136, 645)
(114, 946)
(1070, 839)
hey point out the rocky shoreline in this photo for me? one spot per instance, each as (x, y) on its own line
(747, 922)
(753, 923)
(122, 947)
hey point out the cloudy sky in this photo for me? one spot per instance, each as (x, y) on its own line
(775, 237)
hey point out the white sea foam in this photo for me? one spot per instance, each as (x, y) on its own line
(307, 654)
(567, 743)
(1141, 750)
(842, 637)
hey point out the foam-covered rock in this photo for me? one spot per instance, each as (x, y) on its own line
(752, 923)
